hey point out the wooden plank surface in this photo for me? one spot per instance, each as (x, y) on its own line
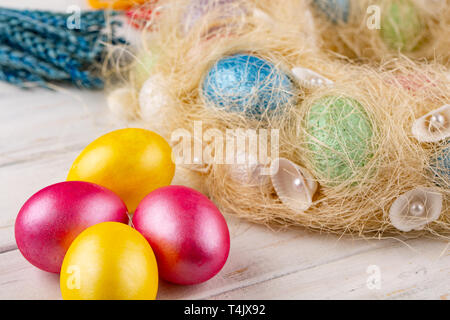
(41, 133)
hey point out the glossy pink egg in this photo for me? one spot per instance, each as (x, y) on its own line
(52, 218)
(186, 231)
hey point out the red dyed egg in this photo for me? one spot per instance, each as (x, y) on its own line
(186, 231)
(52, 218)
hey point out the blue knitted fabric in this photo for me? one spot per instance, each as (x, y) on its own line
(440, 166)
(21, 78)
(38, 47)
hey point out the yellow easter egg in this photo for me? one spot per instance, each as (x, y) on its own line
(115, 4)
(131, 162)
(109, 261)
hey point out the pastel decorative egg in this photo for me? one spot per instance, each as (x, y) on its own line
(335, 10)
(144, 65)
(414, 82)
(144, 16)
(247, 84)
(401, 26)
(109, 261)
(339, 138)
(120, 102)
(187, 232)
(51, 219)
(154, 100)
(131, 162)
(197, 9)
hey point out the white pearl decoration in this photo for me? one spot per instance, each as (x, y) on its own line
(294, 185)
(437, 121)
(434, 126)
(415, 209)
(310, 79)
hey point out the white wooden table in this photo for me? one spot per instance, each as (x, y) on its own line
(41, 133)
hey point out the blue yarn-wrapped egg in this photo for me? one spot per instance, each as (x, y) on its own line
(247, 84)
(197, 9)
(440, 166)
(335, 10)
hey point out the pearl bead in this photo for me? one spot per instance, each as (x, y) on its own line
(437, 120)
(417, 209)
(297, 182)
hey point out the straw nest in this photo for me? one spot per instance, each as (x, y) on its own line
(378, 30)
(391, 97)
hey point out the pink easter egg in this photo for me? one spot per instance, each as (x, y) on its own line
(52, 218)
(414, 82)
(186, 231)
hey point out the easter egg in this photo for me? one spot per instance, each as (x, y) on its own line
(339, 138)
(335, 10)
(401, 26)
(144, 65)
(120, 102)
(440, 166)
(197, 9)
(131, 162)
(51, 219)
(187, 232)
(115, 4)
(413, 82)
(109, 261)
(140, 16)
(247, 84)
(154, 100)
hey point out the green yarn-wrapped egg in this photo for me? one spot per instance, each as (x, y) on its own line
(339, 138)
(401, 26)
(144, 64)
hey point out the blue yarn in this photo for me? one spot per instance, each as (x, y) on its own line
(14, 59)
(440, 166)
(245, 83)
(335, 10)
(92, 20)
(37, 26)
(20, 78)
(41, 48)
(39, 43)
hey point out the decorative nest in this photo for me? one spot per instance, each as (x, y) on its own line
(378, 30)
(346, 138)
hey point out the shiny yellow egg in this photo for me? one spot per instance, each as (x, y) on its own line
(131, 162)
(109, 261)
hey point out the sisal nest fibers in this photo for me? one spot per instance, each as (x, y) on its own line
(389, 98)
(418, 29)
